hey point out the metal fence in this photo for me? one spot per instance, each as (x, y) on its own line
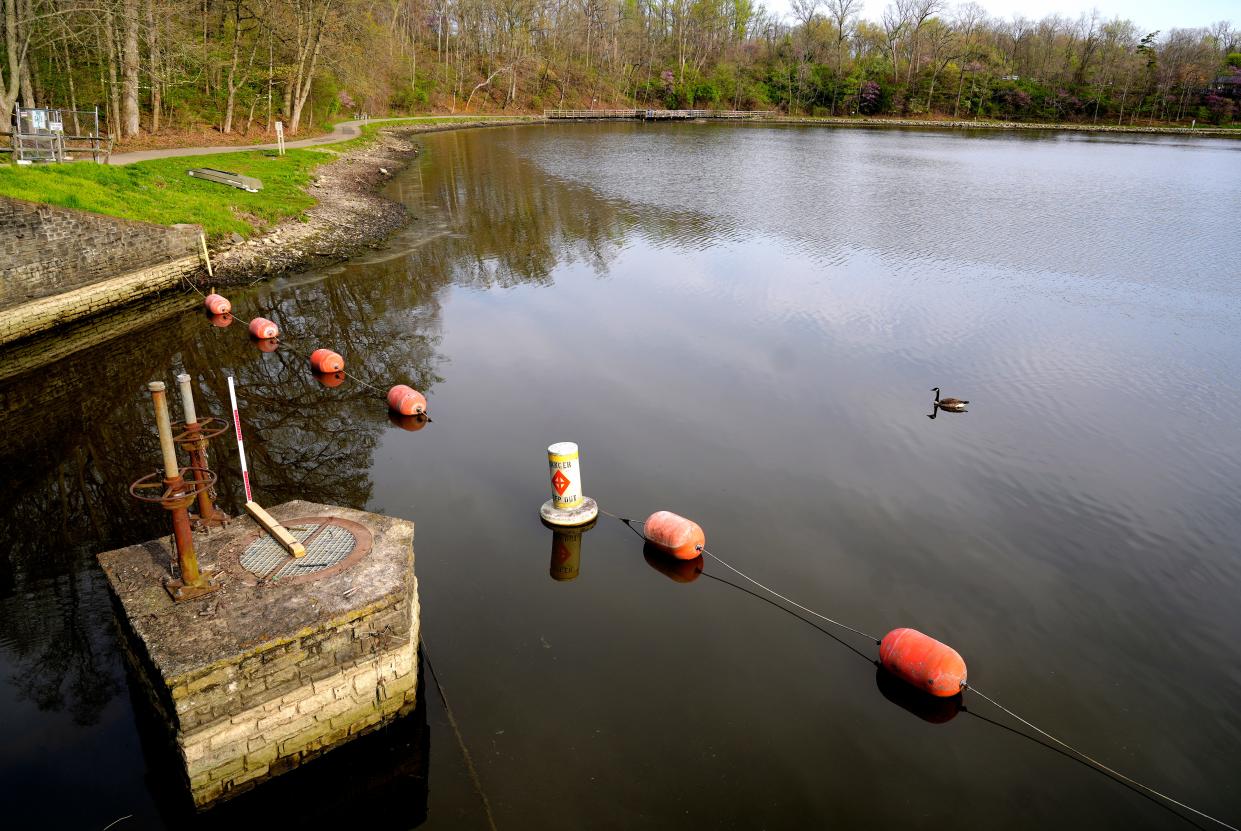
(658, 115)
(46, 134)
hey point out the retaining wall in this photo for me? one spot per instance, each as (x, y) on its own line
(58, 265)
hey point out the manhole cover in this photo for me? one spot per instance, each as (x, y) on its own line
(332, 545)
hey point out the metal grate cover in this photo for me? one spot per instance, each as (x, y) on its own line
(327, 544)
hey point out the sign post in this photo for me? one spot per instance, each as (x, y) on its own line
(280, 137)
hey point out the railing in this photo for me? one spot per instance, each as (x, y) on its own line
(659, 115)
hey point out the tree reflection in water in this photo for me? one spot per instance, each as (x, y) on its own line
(80, 429)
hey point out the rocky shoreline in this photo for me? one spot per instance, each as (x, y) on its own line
(350, 216)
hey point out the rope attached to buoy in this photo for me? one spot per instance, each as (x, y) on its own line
(1088, 759)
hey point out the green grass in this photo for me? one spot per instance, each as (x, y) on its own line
(163, 192)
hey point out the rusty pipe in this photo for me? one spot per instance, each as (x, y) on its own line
(197, 446)
(159, 400)
(175, 491)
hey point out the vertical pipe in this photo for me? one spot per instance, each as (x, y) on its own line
(172, 470)
(187, 400)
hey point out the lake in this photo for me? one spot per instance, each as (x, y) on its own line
(741, 324)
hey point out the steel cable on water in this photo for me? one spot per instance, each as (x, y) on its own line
(1090, 760)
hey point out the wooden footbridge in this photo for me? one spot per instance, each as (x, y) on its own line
(659, 115)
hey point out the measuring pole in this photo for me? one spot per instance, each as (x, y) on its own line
(241, 447)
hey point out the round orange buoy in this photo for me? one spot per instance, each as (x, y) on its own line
(412, 423)
(267, 344)
(675, 535)
(330, 379)
(678, 571)
(325, 360)
(221, 320)
(262, 328)
(217, 304)
(406, 400)
(922, 661)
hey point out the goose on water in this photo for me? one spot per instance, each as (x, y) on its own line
(952, 405)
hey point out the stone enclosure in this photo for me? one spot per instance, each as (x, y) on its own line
(268, 672)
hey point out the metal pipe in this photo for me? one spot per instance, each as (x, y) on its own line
(197, 446)
(187, 400)
(175, 498)
(159, 399)
(186, 558)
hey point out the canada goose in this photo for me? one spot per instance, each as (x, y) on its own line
(951, 405)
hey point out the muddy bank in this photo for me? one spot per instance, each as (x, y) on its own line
(350, 216)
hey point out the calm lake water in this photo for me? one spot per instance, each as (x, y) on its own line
(742, 325)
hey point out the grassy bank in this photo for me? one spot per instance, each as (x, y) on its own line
(163, 192)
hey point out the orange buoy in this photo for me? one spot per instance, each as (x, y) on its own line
(406, 400)
(217, 304)
(675, 535)
(267, 344)
(922, 661)
(412, 423)
(678, 571)
(327, 361)
(262, 328)
(330, 379)
(221, 320)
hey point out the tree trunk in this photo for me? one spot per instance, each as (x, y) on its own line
(129, 69)
(157, 90)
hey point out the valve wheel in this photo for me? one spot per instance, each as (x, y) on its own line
(208, 429)
(153, 488)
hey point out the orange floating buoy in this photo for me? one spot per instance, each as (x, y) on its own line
(406, 400)
(325, 360)
(675, 535)
(267, 344)
(217, 304)
(412, 423)
(678, 571)
(331, 380)
(221, 320)
(922, 661)
(262, 328)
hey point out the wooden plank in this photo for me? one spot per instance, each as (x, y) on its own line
(226, 177)
(287, 541)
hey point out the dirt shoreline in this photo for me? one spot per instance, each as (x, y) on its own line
(350, 216)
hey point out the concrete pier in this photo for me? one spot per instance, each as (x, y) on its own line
(289, 658)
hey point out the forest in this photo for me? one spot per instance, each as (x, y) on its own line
(238, 65)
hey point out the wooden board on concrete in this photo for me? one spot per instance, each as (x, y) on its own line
(278, 531)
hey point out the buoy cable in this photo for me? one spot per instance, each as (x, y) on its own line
(795, 616)
(452, 722)
(632, 522)
(791, 602)
(1091, 760)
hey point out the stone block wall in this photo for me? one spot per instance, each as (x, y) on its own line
(261, 714)
(47, 313)
(47, 250)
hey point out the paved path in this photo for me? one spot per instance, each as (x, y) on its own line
(342, 131)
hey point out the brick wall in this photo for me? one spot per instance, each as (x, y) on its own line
(46, 250)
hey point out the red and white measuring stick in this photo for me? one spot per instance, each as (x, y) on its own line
(241, 447)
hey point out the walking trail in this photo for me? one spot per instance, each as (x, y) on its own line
(342, 131)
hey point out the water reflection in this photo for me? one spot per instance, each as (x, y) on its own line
(929, 708)
(679, 571)
(566, 562)
(808, 270)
